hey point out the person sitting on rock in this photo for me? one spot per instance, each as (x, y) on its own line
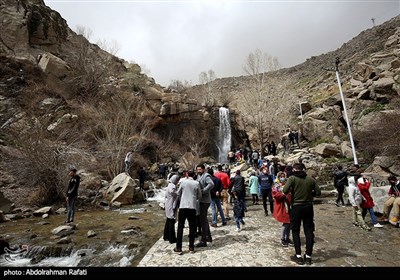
(393, 202)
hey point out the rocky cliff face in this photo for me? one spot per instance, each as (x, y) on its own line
(369, 73)
(56, 88)
(61, 97)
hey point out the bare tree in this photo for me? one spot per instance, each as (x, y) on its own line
(206, 79)
(87, 76)
(195, 141)
(84, 31)
(176, 86)
(42, 160)
(166, 148)
(143, 67)
(259, 94)
(120, 124)
(112, 47)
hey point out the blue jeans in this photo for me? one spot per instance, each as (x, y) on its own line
(71, 209)
(267, 193)
(239, 220)
(217, 202)
(285, 231)
(371, 213)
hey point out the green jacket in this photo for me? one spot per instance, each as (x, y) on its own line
(302, 187)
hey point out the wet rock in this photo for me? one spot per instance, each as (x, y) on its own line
(41, 211)
(39, 253)
(3, 244)
(129, 231)
(133, 246)
(5, 204)
(43, 223)
(91, 233)
(61, 211)
(3, 217)
(84, 252)
(116, 204)
(103, 203)
(63, 230)
(14, 216)
(16, 210)
(64, 240)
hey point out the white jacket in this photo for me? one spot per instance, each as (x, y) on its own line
(355, 196)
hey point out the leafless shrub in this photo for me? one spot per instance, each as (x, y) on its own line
(120, 124)
(259, 95)
(209, 93)
(90, 66)
(166, 149)
(41, 163)
(84, 31)
(179, 86)
(111, 47)
(195, 141)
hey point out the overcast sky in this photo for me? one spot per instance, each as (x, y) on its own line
(181, 39)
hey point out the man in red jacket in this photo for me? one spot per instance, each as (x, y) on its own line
(226, 183)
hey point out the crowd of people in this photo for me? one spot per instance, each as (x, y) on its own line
(287, 194)
(189, 196)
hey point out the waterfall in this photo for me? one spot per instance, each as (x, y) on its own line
(224, 135)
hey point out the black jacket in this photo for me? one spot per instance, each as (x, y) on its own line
(217, 187)
(340, 179)
(73, 186)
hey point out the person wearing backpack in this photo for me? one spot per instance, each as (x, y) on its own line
(340, 181)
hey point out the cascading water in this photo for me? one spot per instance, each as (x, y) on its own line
(224, 135)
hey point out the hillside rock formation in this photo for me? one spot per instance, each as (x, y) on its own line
(57, 81)
(61, 99)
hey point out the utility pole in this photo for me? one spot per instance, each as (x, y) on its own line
(345, 110)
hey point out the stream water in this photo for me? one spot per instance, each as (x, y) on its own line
(123, 236)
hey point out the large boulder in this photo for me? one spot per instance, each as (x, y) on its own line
(121, 190)
(327, 150)
(379, 195)
(385, 165)
(322, 123)
(53, 65)
(5, 204)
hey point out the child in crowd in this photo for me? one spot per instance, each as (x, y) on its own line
(238, 211)
(282, 208)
